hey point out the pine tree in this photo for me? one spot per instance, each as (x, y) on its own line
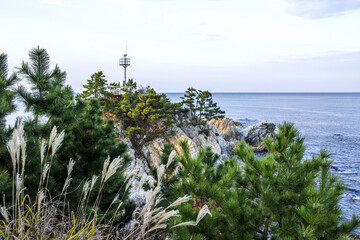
(220, 188)
(188, 101)
(201, 106)
(96, 87)
(284, 185)
(40, 78)
(7, 106)
(6, 94)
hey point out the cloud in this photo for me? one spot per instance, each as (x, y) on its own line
(321, 8)
(54, 2)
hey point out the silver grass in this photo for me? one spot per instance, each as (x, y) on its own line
(45, 170)
(57, 142)
(202, 213)
(160, 172)
(86, 189)
(52, 136)
(159, 226)
(189, 223)
(141, 183)
(145, 221)
(132, 172)
(18, 154)
(167, 215)
(113, 167)
(41, 197)
(12, 150)
(159, 211)
(70, 166)
(20, 129)
(19, 183)
(105, 167)
(158, 199)
(93, 181)
(115, 200)
(66, 184)
(179, 201)
(151, 181)
(42, 151)
(150, 200)
(23, 152)
(4, 213)
(129, 183)
(170, 160)
(119, 205)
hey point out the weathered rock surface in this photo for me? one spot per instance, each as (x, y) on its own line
(227, 127)
(254, 135)
(220, 134)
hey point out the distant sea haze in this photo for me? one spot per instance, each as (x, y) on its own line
(326, 120)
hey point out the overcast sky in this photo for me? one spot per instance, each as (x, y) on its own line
(216, 45)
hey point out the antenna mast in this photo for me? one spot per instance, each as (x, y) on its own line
(124, 62)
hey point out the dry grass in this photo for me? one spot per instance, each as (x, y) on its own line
(46, 217)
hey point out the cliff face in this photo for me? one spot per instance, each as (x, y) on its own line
(220, 134)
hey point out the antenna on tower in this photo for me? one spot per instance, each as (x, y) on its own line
(124, 62)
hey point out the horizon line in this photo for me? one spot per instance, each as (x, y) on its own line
(280, 92)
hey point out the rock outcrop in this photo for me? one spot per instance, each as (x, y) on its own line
(227, 127)
(220, 134)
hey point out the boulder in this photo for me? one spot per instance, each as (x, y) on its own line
(254, 135)
(227, 127)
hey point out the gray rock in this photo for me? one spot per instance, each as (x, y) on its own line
(254, 135)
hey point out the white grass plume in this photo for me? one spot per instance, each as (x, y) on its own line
(113, 167)
(52, 136)
(131, 180)
(105, 167)
(202, 213)
(160, 172)
(19, 183)
(141, 183)
(23, 153)
(179, 201)
(66, 184)
(86, 189)
(4, 213)
(57, 142)
(167, 215)
(70, 166)
(41, 197)
(93, 181)
(45, 170)
(42, 151)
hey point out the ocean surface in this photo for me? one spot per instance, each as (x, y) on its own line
(326, 120)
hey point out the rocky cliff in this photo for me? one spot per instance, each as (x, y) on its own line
(220, 134)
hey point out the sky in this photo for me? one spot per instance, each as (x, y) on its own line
(216, 45)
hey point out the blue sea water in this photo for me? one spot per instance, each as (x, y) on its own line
(326, 120)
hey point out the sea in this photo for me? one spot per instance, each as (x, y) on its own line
(326, 120)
